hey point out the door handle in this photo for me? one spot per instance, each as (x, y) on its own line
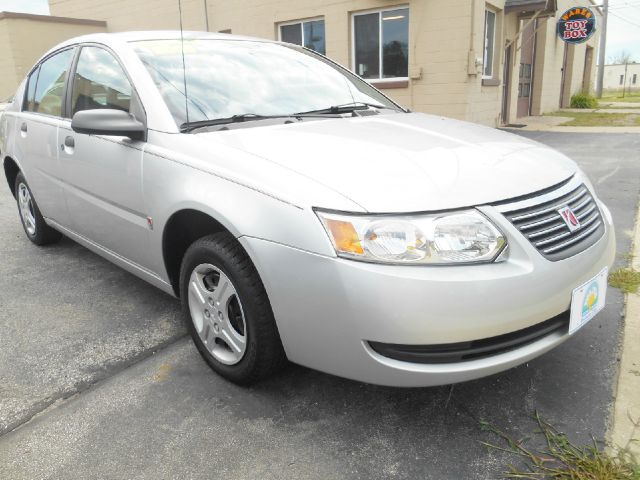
(69, 142)
(23, 127)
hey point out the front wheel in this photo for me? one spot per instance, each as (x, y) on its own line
(227, 310)
(34, 225)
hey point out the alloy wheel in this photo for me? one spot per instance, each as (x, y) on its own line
(26, 209)
(217, 314)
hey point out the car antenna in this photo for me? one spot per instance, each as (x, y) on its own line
(184, 69)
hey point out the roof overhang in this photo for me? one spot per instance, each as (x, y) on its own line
(543, 8)
(51, 19)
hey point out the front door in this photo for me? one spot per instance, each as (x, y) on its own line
(103, 174)
(525, 80)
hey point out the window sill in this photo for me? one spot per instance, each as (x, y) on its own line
(389, 84)
(491, 82)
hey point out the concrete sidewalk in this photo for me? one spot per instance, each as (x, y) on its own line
(554, 124)
(620, 104)
(544, 123)
(625, 428)
(635, 109)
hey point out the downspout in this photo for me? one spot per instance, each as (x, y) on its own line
(472, 37)
(472, 59)
(206, 15)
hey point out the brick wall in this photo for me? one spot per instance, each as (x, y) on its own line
(443, 36)
(25, 38)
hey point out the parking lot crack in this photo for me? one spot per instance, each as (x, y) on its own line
(59, 398)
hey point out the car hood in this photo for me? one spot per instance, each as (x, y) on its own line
(406, 162)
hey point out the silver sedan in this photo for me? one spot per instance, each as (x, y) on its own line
(300, 214)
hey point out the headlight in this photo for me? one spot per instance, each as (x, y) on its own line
(444, 238)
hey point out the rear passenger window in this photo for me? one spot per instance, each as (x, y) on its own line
(99, 82)
(29, 101)
(49, 91)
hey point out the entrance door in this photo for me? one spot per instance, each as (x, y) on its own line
(527, 57)
(565, 89)
(588, 67)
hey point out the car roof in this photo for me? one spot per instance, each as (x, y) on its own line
(113, 38)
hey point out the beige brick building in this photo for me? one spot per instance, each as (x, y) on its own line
(24, 38)
(485, 61)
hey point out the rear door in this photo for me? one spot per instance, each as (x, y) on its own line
(103, 174)
(37, 131)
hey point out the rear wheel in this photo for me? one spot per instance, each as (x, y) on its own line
(34, 225)
(227, 310)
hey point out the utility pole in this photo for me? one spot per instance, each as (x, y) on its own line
(603, 46)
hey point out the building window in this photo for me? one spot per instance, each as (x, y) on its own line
(309, 34)
(635, 78)
(381, 44)
(489, 43)
(621, 79)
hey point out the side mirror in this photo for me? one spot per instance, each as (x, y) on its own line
(108, 122)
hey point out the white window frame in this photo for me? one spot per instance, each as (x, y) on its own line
(302, 22)
(379, 11)
(493, 43)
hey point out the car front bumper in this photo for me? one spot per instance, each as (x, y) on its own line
(328, 309)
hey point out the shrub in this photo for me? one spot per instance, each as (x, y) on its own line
(583, 100)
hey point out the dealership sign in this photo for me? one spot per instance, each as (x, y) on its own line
(576, 25)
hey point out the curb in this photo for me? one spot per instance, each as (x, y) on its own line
(625, 424)
(558, 128)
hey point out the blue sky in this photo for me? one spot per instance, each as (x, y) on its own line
(29, 6)
(623, 29)
(623, 32)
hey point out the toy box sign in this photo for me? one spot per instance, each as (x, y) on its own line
(576, 25)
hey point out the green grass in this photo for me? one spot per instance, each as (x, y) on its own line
(626, 279)
(560, 459)
(617, 97)
(598, 119)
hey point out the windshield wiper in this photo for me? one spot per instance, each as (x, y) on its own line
(244, 117)
(346, 108)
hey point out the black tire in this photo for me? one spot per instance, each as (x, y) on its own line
(43, 234)
(264, 354)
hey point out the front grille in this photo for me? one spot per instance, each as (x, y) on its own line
(473, 350)
(545, 228)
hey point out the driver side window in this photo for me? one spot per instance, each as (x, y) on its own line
(99, 82)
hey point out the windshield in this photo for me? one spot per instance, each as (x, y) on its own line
(238, 77)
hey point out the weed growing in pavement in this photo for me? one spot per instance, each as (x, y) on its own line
(584, 100)
(560, 459)
(626, 279)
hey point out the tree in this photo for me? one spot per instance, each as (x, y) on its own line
(621, 57)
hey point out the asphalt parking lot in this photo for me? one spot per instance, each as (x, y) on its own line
(99, 381)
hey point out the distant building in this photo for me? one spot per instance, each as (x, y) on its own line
(489, 62)
(617, 77)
